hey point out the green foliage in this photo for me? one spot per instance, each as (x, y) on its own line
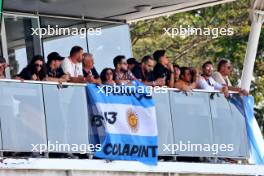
(193, 50)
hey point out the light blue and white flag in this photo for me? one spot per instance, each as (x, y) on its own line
(129, 122)
(256, 142)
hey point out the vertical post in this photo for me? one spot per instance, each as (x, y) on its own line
(4, 46)
(251, 53)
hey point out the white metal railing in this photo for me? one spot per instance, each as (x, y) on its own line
(83, 84)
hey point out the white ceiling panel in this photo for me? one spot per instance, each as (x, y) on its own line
(106, 9)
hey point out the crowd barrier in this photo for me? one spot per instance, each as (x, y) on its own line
(35, 113)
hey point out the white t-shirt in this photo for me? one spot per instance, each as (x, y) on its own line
(209, 85)
(221, 79)
(74, 70)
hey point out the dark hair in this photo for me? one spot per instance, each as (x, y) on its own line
(183, 69)
(132, 61)
(2, 60)
(176, 65)
(103, 74)
(146, 58)
(158, 54)
(75, 50)
(206, 63)
(118, 59)
(221, 63)
(42, 73)
(54, 56)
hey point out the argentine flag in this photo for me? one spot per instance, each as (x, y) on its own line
(128, 121)
(245, 105)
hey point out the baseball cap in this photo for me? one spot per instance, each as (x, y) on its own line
(54, 56)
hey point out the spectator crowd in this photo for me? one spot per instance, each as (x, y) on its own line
(152, 70)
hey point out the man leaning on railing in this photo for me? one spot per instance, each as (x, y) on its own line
(207, 82)
(224, 69)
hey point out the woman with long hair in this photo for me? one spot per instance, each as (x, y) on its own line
(35, 70)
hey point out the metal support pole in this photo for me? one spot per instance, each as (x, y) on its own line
(252, 47)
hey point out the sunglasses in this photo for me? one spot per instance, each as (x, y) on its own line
(109, 73)
(38, 65)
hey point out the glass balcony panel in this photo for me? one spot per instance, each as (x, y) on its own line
(66, 115)
(163, 114)
(191, 119)
(22, 116)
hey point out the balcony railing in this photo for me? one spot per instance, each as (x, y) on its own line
(38, 113)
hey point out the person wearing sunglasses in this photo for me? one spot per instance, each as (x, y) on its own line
(35, 70)
(206, 81)
(123, 74)
(3, 66)
(224, 70)
(107, 76)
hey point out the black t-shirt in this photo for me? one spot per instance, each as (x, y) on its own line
(27, 74)
(94, 73)
(58, 73)
(148, 76)
(160, 72)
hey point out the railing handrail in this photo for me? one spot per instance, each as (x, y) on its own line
(83, 85)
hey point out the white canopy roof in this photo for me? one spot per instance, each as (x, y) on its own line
(124, 10)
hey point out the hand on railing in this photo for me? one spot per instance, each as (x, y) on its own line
(224, 90)
(243, 92)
